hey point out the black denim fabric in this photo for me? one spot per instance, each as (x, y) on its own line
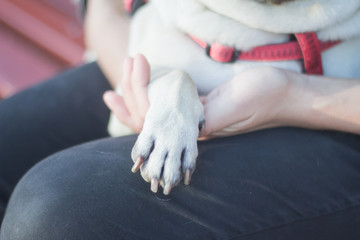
(49, 117)
(282, 183)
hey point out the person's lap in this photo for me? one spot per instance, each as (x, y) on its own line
(59, 113)
(280, 183)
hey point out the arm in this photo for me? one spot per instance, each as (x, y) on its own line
(320, 102)
(106, 33)
(269, 97)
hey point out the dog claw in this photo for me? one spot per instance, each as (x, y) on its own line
(167, 189)
(137, 164)
(187, 177)
(154, 185)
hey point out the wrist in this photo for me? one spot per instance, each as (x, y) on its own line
(319, 102)
(299, 100)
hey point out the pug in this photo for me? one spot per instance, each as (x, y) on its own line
(193, 46)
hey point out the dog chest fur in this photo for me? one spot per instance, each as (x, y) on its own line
(160, 29)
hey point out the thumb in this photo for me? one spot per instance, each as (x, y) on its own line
(220, 112)
(116, 104)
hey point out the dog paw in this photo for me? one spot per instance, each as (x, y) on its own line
(165, 155)
(166, 149)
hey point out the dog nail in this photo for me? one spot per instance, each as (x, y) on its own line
(137, 164)
(187, 177)
(167, 189)
(154, 185)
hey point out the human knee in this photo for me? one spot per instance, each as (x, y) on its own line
(34, 207)
(57, 197)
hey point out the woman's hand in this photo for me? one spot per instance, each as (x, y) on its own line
(130, 109)
(269, 97)
(250, 101)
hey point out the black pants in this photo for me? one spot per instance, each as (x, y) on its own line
(283, 183)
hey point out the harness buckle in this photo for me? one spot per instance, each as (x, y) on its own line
(221, 53)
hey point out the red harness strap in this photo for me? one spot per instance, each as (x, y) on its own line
(311, 51)
(307, 47)
(132, 5)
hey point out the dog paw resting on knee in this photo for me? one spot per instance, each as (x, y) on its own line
(166, 149)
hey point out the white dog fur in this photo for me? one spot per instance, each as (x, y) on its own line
(160, 31)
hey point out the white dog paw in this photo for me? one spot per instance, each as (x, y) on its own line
(166, 149)
(166, 154)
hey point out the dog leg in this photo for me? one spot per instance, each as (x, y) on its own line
(166, 149)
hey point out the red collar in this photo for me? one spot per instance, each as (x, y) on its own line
(307, 47)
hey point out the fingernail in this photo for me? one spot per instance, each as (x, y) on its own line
(109, 98)
(167, 189)
(137, 164)
(154, 185)
(187, 177)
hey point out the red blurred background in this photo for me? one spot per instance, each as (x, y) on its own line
(38, 38)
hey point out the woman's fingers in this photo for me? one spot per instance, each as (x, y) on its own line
(140, 82)
(131, 108)
(136, 77)
(126, 87)
(220, 110)
(226, 86)
(117, 105)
